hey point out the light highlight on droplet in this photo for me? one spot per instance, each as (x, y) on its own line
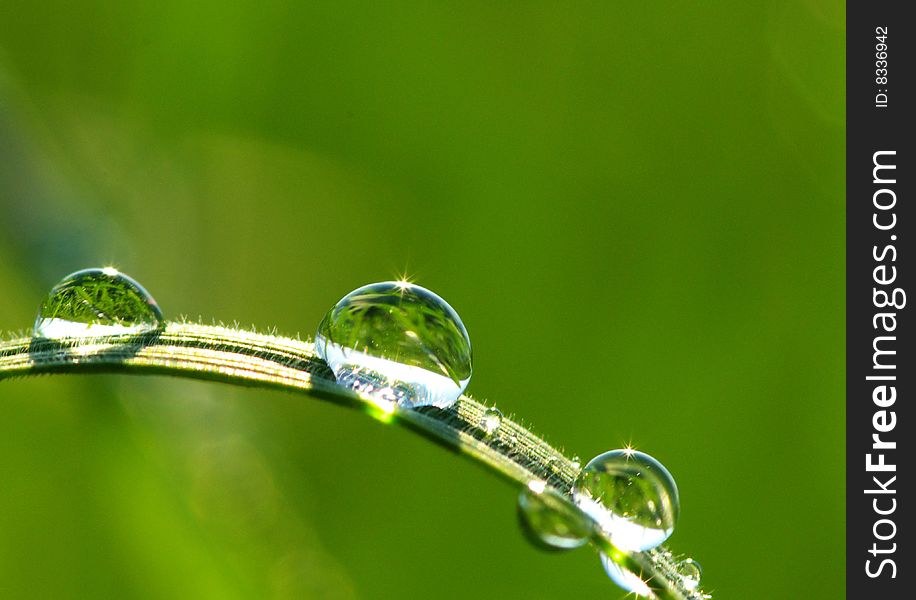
(626, 579)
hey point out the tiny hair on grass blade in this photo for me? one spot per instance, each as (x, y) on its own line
(247, 358)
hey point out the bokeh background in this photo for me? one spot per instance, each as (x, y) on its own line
(637, 208)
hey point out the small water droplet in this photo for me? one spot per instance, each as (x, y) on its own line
(491, 420)
(626, 579)
(691, 572)
(397, 343)
(576, 462)
(548, 521)
(96, 302)
(631, 496)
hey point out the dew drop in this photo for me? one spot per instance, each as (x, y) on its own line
(691, 572)
(96, 302)
(491, 420)
(548, 521)
(625, 578)
(631, 496)
(399, 344)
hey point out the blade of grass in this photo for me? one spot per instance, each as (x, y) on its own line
(247, 358)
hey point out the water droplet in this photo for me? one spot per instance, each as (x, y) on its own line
(631, 496)
(491, 420)
(548, 521)
(96, 302)
(691, 572)
(625, 578)
(397, 343)
(575, 463)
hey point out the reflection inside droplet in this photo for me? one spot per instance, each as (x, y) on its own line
(397, 343)
(96, 302)
(548, 521)
(631, 496)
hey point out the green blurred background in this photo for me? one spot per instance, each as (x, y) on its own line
(637, 208)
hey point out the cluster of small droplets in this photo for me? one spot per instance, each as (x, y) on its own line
(627, 496)
(401, 346)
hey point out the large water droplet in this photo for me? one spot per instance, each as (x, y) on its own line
(96, 302)
(625, 578)
(548, 522)
(631, 496)
(397, 343)
(691, 572)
